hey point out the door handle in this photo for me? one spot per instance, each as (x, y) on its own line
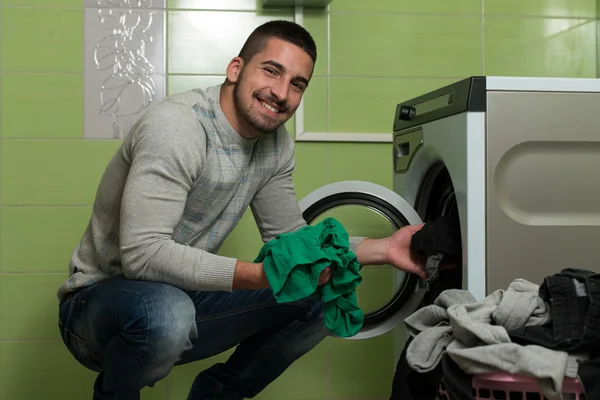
(406, 146)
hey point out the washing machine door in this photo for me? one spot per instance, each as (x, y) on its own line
(386, 295)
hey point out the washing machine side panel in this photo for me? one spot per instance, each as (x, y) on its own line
(543, 169)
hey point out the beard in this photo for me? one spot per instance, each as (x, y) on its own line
(256, 119)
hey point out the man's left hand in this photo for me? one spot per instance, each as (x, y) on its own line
(394, 250)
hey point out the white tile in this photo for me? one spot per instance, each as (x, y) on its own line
(182, 83)
(204, 42)
(214, 4)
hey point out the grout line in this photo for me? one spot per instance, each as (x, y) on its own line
(387, 77)
(482, 37)
(30, 340)
(1, 169)
(202, 75)
(166, 49)
(33, 273)
(44, 205)
(282, 10)
(287, 10)
(413, 14)
(328, 90)
(213, 75)
(21, 72)
(43, 139)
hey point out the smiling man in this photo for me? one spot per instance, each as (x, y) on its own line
(147, 290)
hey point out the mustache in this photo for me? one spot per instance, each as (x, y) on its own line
(282, 105)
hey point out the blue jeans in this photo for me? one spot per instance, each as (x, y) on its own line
(134, 332)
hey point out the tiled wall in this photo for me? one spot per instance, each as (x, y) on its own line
(380, 52)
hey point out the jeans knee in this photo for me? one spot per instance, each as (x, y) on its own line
(169, 318)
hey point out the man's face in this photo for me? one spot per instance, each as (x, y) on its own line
(269, 88)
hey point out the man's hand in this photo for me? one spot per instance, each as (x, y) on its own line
(393, 250)
(399, 255)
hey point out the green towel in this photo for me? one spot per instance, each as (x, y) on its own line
(293, 262)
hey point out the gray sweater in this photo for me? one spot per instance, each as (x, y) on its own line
(175, 189)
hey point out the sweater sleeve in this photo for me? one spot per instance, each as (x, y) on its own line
(166, 154)
(275, 207)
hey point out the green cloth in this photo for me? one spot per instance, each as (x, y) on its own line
(293, 262)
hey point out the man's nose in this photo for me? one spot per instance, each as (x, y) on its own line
(280, 91)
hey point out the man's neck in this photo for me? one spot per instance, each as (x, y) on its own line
(227, 104)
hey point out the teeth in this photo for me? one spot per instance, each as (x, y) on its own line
(268, 107)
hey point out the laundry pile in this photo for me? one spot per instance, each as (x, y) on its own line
(294, 261)
(548, 332)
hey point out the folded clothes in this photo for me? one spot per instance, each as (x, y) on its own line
(293, 262)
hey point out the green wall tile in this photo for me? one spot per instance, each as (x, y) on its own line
(49, 246)
(366, 105)
(41, 39)
(308, 378)
(313, 367)
(52, 172)
(315, 22)
(311, 167)
(540, 47)
(56, 100)
(408, 6)
(33, 296)
(42, 370)
(315, 105)
(546, 8)
(362, 369)
(361, 161)
(46, 370)
(405, 45)
(204, 42)
(182, 376)
(214, 4)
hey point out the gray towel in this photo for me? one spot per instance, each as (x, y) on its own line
(474, 334)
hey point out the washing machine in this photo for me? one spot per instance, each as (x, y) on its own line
(515, 160)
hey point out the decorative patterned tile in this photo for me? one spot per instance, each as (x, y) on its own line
(124, 69)
(126, 4)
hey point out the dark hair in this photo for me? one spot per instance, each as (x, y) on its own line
(284, 30)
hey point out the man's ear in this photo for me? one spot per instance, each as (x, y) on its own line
(234, 69)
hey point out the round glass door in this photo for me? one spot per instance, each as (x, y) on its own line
(368, 210)
(379, 283)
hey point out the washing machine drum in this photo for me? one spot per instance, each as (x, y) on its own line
(386, 295)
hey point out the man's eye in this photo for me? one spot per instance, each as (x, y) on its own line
(269, 70)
